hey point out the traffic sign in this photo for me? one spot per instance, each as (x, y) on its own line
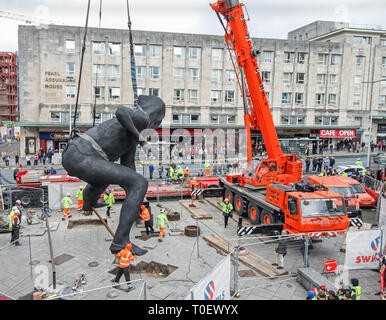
(331, 265)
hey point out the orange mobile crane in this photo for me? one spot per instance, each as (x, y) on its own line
(270, 191)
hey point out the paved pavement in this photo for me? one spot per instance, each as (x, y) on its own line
(91, 244)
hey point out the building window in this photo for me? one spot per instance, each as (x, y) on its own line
(98, 69)
(356, 100)
(300, 77)
(55, 116)
(229, 96)
(357, 81)
(114, 49)
(178, 95)
(230, 75)
(383, 82)
(63, 116)
(333, 78)
(194, 118)
(301, 57)
(216, 75)
(291, 120)
(231, 119)
(383, 62)
(154, 72)
(70, 91)
(186, 118)
(360, 61)
(106, 116)
(194, 53)
(319, 98)
(223, 119)
(141, 72)
(70, 69)
(99, 92)
(322, 58)
(299, 98)
(326, 121)
(155, 51)
(362, 40)
(332, 99)
(321, 78)
(214, 119)
(287, 77)
(215, 96)
(266, 75)
(286, 97)
(115, 70)
(193, 74)
(335, 60)
(216, 54)
(114, 92)
(176, 118)
(383, 42)
(179, 73)
(140, 91)
(98, 47)
(179, 52)
(267, 56)
(140, 50)
(154, 92)
(193, 95)
(381, 101)
(70, 46)
(289, 57)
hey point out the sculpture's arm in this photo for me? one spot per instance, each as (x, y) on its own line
(125, 118)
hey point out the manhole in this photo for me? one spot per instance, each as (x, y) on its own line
(62, 258)
(173, 216)
(152, 269)
(93, 264)
(289, 285)
(192, 231)
(84, 222)
(246, 273)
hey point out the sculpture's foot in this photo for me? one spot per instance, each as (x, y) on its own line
(115, 248)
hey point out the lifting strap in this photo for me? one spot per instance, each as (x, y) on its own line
(132, 60)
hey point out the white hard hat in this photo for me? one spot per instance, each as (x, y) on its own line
(81, 187)
(67, 194)
(162, 210)
(18, 201)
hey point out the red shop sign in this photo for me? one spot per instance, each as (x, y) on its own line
(343, 133)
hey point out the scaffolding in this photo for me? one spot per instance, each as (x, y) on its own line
(8, 86)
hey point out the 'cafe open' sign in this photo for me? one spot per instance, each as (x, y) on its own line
(342, 133)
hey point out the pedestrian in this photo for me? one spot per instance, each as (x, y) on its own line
(109, 200)
(331, 148)
(36, 158)
(46, 171)
(52, 170)
(151, 170)
(15, 227)
(356, 289)
(314, 163)
(358, 163)
(67, 202)
(331, 295)
(311, 295)
(320, 164)
(79, 195)
(281, 249)
(162, 220)
(326, 163)
(322, 294)
(145, 216)
(308, 162)
(160, 170)
(44, 158)
(321, 147)
(7, 160)
(126, 257)
(332, 161)
(226, 210)
(17, 159)
(3, 154)
(49, 155)
(28, 159)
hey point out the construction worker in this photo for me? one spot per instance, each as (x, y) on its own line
(126, 257)
(311, 295)
(109, 200)
(281, 250)
(161, 220)
(322, 294)
(359, 163)
(179, 172)
(187, 172)
(67, 202)
(79, 195)
(16, 207)
(207, 169)
(15, 227)
(226, 210)
(194, 184)
(171, 174)
(356, 289)
(145, 216)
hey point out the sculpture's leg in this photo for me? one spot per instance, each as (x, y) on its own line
(91, 195)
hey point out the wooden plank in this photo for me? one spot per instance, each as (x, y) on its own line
(251, 259)
(197, 212)
(365, 226)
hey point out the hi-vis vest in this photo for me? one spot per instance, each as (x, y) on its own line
(161, 219)
(66, 201)
(226, 208)
(79, 194)
(145, 215)
(109, 199)
(126, 256)
(357, 290)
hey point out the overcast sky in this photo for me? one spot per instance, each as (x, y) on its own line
(269, 19)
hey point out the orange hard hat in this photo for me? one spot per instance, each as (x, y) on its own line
(129, 246)
(143, 207)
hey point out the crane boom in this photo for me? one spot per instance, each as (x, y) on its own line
(281, 167)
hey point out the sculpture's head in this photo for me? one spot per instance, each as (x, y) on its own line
(154, 107)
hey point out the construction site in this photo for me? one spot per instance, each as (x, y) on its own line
(97, 226)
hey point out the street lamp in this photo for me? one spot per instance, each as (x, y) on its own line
(371, 119)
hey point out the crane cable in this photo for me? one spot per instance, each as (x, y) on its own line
(72, 134)
(96, 74)
(132, 60)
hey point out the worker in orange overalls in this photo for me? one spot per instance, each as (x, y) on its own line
(145, 216)
(194, 184)
(126, 257)
(207, 168)
(67, 202)
(79, 195)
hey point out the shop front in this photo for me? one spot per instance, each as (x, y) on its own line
(54, 140)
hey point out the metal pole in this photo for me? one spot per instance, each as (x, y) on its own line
(157, 194)
(30, 254)
(370, 133)
(236, 269)
(198, 249)
(51, 254)
(144, 290)
(306, 252)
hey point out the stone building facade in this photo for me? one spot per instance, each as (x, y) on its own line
(312, 85)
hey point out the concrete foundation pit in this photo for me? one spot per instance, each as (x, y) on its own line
(85, 223)
(152, 269)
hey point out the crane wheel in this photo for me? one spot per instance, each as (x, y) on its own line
(254, 213)
(267, 217)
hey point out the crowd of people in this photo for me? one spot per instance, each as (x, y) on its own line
(353, 292)
(39, 157)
